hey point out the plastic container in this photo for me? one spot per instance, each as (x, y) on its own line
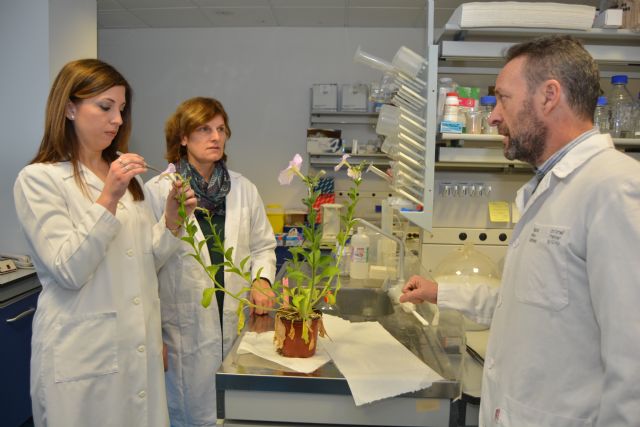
(602, 117)
(359, 268)
(275, 214)
(451, 104)
(621, 103)
(445, 85)
(487, 104)
(408, 61)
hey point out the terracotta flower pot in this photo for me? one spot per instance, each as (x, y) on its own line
(288, 337)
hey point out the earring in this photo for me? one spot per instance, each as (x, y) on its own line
(73, 117)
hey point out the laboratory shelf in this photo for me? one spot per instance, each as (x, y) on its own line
(470, 137)
(613, 46)
(332, 159)
(344, 117)
(626, 142)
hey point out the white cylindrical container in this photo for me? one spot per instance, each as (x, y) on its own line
(359, 268)
(451, 107)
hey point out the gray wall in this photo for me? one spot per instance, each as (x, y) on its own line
(36, 38)
(262, 76)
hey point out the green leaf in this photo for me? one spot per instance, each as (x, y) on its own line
(243, 262)
(229, 254)
(207, 296)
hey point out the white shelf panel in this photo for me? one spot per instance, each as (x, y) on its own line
(626, 142)
(602, 34)
(344, 117)
(471, 137)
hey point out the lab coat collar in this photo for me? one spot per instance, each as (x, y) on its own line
(575, 158)
(231, 222)
(89, 177)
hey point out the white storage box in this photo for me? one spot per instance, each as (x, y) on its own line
(610, 18)
(354, 97)
(324, 97)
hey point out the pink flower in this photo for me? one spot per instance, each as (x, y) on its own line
(171, 168)
(286, 176)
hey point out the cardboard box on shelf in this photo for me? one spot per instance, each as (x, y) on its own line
(354, 97)
(324, 97)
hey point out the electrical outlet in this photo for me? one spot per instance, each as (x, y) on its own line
(7, 266)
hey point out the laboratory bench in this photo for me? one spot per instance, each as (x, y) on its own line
(255, 392)
(18, 299)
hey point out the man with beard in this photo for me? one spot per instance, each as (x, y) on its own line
(565, 323)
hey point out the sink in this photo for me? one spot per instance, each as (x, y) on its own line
(362, 304)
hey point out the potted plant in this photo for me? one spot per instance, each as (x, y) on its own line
(312, 277)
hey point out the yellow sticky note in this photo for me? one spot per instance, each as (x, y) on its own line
(499, 211)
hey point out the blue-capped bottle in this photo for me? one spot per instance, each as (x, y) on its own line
(621, 103)
(602, 116)
(487, 104)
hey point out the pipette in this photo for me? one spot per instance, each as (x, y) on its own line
(147, 165)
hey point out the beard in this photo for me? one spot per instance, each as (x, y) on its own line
(528, 141)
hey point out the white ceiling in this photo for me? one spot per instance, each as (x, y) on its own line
(275, 13)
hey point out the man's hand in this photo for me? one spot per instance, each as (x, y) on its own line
(418, 290)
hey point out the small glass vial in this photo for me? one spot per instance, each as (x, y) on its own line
(487, 104)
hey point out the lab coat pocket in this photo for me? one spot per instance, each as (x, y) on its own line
(86, 347)
(518, 414)
(544, 265)
(197, 326)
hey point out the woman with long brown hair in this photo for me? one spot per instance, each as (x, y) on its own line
(96, 346)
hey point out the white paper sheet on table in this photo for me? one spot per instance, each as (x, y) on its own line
(262, 345)
(374, 363)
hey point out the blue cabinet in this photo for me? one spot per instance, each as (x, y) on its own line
(16, 316)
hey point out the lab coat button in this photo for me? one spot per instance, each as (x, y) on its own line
(142, 394)
(136, 301)
(130, 252)
(120, 205)
(141, 348)
(490, 363)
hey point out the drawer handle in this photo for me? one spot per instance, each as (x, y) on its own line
(21, 315)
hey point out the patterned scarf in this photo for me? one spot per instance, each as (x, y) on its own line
(211, 195)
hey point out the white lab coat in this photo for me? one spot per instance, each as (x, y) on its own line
(192, 332)
(564, 342)
(96, 346)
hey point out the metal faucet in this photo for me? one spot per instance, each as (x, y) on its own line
(395, 239)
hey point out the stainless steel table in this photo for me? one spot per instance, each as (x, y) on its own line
(256, 392)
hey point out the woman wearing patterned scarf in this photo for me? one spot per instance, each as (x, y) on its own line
(199, 338)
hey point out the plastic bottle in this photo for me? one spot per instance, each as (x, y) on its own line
(445, 85)
(359, 268)
(451, 107)
(601, 117)
(621, 103)
(487, 104)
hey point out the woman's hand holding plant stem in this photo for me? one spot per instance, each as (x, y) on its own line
(181, 197)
